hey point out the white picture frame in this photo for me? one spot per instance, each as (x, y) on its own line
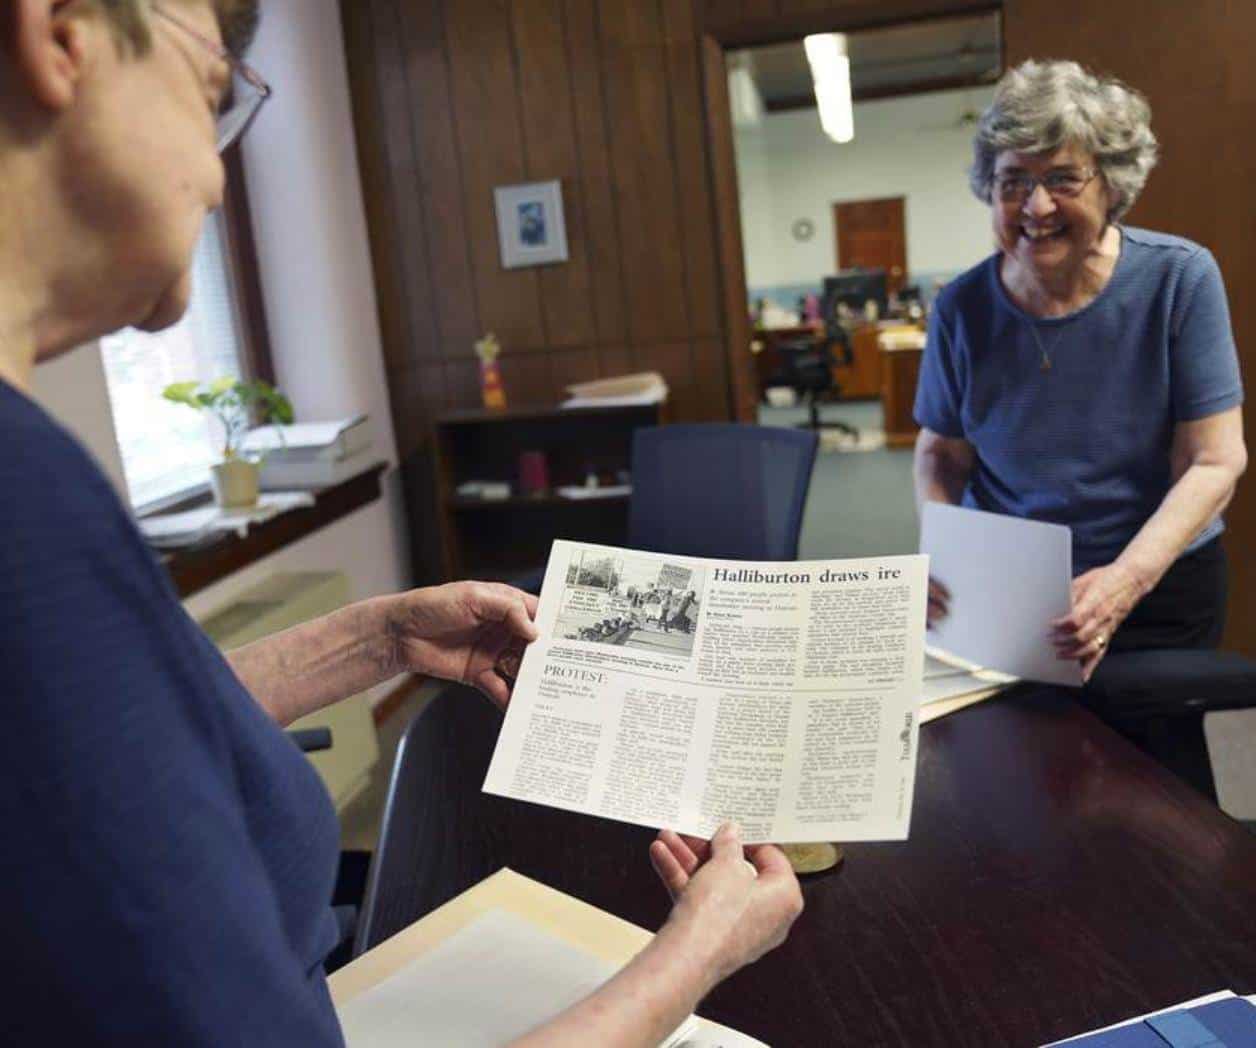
(530, 224)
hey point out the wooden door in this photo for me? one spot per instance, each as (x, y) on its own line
(872, 234)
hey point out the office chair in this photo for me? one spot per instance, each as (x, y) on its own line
(720, 490)
(807, 367)
(1157, 699)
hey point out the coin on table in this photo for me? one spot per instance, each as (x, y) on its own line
(812, 858)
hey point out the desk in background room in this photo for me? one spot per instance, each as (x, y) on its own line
(900, 351)
(858, 380)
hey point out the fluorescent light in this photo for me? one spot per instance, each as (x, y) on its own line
(830, 73)
(744, 97)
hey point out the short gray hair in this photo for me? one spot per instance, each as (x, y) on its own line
(1040, 106)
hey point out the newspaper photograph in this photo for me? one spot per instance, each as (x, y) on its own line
(681, 692)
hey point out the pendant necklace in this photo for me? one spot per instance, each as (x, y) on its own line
(1045, 364)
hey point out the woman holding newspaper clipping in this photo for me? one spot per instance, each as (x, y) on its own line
(174, 854)
(1086, 374)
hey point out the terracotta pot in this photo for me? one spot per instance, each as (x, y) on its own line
(236, 483)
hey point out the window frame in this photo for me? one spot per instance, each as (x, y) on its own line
(244, 278)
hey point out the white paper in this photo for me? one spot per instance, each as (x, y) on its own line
(299, 434)
(713, 1035)
(682, 692)
(581, 494)
(1220, 995)
(181, 529)
(1009, 578)
(491, 981)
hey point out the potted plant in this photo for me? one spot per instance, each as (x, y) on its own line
(236, 404)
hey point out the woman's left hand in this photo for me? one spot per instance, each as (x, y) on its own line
(464, 631)
(1102, 598)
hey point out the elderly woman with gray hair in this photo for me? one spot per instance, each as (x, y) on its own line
(1086, 373)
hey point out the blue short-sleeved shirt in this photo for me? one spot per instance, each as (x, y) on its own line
(169, 855)
(1087, 442)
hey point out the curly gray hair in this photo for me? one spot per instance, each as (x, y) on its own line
(1040, 106)
(236, 18)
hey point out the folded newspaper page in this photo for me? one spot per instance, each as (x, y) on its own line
(682, 692)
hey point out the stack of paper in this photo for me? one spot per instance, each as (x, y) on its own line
(311, 454)
(177, 530)
(951, 683)
(646, 387)
(529, 950)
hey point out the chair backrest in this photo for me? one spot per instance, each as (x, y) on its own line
(807, 366)
(720, 490)
(420, 839)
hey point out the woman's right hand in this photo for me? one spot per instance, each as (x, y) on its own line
(939, 602)
(735, 904)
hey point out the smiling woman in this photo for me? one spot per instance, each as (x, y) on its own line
(1086, 373)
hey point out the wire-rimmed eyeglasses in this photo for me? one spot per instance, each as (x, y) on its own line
(1017, 187)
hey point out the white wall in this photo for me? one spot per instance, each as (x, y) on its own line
(306, 200)
(71, 388)
(913, 147)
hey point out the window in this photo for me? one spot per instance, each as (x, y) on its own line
(166, 448)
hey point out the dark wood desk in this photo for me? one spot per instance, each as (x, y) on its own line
(1055, 880)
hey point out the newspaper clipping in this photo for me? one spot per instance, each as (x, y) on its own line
(681, 692)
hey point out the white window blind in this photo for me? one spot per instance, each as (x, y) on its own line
(168, 448)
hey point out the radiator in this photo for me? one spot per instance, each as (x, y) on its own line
(288, 599)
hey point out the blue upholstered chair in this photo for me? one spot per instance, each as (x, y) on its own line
(720, 490)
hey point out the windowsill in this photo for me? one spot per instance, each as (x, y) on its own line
(201, 566)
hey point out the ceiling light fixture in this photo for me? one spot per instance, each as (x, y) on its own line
(830, 73)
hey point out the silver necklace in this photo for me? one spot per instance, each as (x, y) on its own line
(1045, 364)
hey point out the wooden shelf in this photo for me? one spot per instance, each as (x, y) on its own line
(196, 568)
(460, 502)
(508, 537)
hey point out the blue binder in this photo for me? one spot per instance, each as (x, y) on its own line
(1223, 1024)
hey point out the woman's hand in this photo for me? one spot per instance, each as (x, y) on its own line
(737, 904)
(939, 602)
(473, 632)
(1102, 598)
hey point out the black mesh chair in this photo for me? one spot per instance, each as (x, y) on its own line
(807, 368)
(1157, 699)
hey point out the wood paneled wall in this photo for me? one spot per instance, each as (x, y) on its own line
(455, 97)
(616, 97)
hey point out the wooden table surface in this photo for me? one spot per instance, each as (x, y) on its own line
(1055, 880)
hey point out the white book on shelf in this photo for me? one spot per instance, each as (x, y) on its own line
(312, 441)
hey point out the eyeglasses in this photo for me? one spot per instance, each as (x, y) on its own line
(249, 91)
(1060, 185)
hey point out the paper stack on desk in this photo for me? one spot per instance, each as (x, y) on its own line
(180, 530)
(951, 684)
(490, 965)
(644, 388)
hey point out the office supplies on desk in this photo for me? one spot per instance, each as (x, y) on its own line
(1009, 578)
(530, 950)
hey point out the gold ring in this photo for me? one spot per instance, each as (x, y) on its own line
(1101, 641)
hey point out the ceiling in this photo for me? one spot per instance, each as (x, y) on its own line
(884, 62)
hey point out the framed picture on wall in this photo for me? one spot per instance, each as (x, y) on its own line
(530, 224)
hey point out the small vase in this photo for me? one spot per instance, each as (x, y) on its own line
(236, 483)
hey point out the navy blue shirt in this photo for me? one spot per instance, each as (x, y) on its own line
(170, 855)
(1087, 442)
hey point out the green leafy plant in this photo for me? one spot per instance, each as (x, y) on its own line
(235, 403)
